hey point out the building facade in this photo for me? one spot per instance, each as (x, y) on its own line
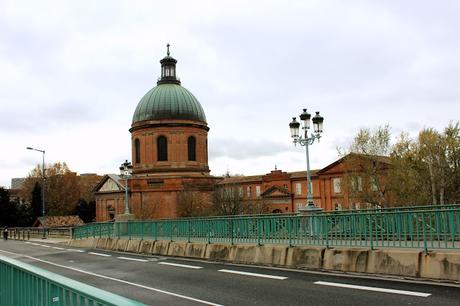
(170, 157)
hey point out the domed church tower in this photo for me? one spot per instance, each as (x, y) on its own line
(169, 147)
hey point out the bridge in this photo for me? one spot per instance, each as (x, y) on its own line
(99, 256)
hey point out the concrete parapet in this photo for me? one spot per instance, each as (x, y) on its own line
(441, 265)
(101, 243)
(345, 259)
(111, 244)
(146, 247)
(160, 247)
(219, 252)
(177, 248)
(196, 250)
(305, 257)
(271, 255)
(122, 244)
(133, 245)
(394, 262)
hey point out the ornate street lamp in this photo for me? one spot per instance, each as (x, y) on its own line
(43, 185)
(125, 172)
(306, 140)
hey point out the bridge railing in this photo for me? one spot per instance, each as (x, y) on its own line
(22, 284)
(428, 229)
(25, 233)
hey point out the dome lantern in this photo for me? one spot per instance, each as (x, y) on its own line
(168, 69)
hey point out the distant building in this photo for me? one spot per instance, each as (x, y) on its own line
(16, 183)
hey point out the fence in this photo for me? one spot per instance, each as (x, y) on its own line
(25, 233)
(24, 285)
(428, 229)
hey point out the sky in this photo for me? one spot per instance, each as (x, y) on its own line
(72, 73)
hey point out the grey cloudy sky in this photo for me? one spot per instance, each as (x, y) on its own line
(72, 73)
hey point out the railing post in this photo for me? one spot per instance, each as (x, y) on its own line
(231, 231)
(370, 232)
(425, 242)
(290, 230)
(259, 231)
(189, 229)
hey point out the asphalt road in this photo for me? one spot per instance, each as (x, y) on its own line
(172, 281)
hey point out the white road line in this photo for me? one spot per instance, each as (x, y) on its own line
(413, 293)
(34, 243)
(254, 274)
(45, 246)
(74, 250)
(99, 254)
(133, 259)
(58, 248)
(117, 280)
(179, 265)
(28, 242)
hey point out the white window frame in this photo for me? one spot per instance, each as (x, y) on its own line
(298, 188)
(257, 191)
(336, 184)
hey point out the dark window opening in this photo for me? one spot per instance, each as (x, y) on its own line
(162, 148)
(191, 148)
(137, 149)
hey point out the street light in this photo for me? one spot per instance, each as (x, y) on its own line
(306, 140)
(43, 187)
(125, 172)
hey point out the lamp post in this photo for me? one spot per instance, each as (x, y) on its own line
(125, 172)
(43, 184)
(307, 140)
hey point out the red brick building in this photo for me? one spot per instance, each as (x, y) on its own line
(170, 156)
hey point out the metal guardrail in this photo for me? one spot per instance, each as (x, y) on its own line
(427, 229)
(22, 284)
(25, 233)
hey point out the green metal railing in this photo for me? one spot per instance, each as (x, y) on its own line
(427, 229)
(22, 284)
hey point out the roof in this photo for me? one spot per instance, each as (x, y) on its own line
(379, 158)
(114, 177)
(169, 101)
(58, 221)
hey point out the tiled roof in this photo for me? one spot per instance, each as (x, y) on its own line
(58, 221)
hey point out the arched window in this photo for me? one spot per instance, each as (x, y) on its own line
(162, 148)
(137, 150)
(191, 148)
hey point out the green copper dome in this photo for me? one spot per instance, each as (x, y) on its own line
(169, 101)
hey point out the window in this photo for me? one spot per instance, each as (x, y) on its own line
(337, 184)
(338, 206)
(191, 144)
(298, 188)
(257, 191)
(374, 184)
(249, 191)
(240, 192)
(356, 183)
(162, 148)
(137, 150)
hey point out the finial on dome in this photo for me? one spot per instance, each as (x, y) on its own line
(167, 48)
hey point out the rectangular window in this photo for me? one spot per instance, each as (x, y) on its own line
(374, 186)
(337, 184)
(240, 191)
(249, 191)
(257, 191)
(298, 188)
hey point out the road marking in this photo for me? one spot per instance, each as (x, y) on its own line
(99, 254)
(117, 280)
(254, 274)
(133, 259)
(34, 243)
(413, 293)
(45, 246)
(58, 248)
(28, 242)
(179, 265)
(74, 250)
